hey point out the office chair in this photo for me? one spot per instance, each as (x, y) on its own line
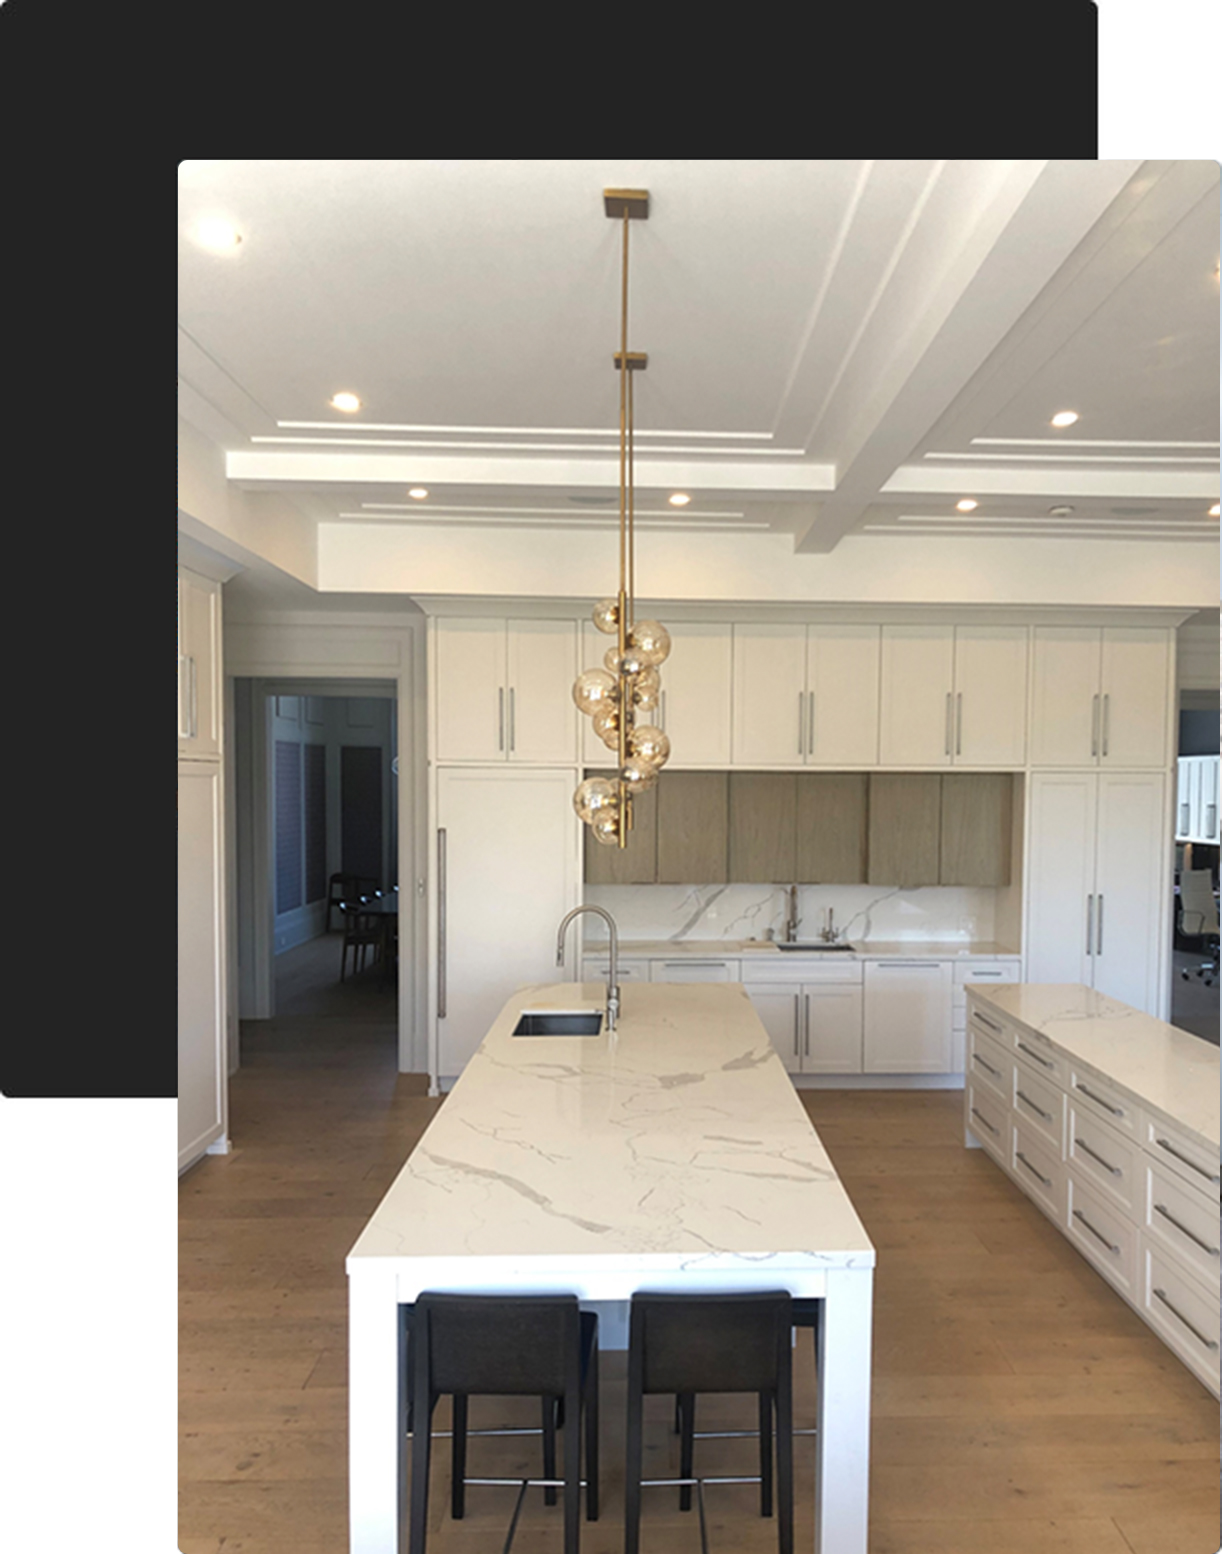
(1199, 918)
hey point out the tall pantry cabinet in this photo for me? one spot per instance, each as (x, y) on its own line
(202, 1069)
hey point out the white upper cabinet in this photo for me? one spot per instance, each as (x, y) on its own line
(806, 696)
(503, 690)
(953, 696)
(1196, 799)
(199, 665)
(695, 708)
(1100, 696)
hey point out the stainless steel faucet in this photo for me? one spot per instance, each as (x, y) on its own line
(828, 932)
(792, 920)
(612, 969)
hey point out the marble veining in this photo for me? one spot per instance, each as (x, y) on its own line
(1168, 1071)
(676, 1142)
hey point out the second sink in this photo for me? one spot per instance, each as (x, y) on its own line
(558, 1022)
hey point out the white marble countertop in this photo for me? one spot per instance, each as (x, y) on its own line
(680, 1144)
(1169, 1071)
(863, 949)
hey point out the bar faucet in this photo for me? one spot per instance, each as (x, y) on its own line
(612, 969)
(828, 932)
(792, 920)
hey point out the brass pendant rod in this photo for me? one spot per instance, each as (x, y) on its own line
(631, 507)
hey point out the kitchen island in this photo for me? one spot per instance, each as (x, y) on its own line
(673, 1154)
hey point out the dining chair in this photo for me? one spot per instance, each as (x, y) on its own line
(362, 933)
(688, 1344)
(505, 1346)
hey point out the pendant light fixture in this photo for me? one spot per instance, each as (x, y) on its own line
(621, 695)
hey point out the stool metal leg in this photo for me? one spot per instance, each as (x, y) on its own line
(765, 1401)
(591, 1423)
(687, 1430)
(458, 1458)
(549, 1447)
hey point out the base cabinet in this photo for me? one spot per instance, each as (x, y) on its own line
(907, 1017)
(816, 1027)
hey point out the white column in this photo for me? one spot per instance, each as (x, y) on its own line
(842, 1474)
(377, 1419)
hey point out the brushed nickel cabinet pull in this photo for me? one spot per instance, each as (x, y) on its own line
(1204, 1245)
(1116, 1111)
(1099, 928)
(959, 726)
(1018, 1155)
(996, 1072)
(1039, 1110)
(810, 726)
(1083, 1145)
(512, 721)
(986, 1122)
(807, 997)
(1094, 725)
(1106, 720)
(984, 1020)
(949, 719)
(797, 999)
(1171, 1150)
(441, 925)
(1035, 1055)
(1090, 922)
(1210, 1343)
(801, 722)
(1098, 1235)
(500, 727)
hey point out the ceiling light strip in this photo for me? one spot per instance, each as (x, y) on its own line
(1090, 442)
(518, 431)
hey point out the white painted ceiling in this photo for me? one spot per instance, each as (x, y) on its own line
(834, 347)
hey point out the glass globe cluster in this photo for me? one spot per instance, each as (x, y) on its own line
(619, 698)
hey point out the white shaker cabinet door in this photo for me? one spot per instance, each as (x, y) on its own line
(506, 874)
(1065, 703)
(907, 1017)
(832, 1022)
(469, 690)
(1128, 888)
(770, 704)
(780, 1011)
(990, 713)
(916, 721)
(842, 678)
(696, 692)
(540, 714)
(1060, 882)
(1134, 690)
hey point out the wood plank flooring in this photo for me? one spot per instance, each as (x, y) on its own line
(1019, 1406)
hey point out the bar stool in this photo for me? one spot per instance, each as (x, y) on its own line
(505, 1346)
(687, 1344)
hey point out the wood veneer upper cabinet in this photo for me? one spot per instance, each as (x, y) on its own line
(831, 828)
(636, 864)
(904, 828)
(763, 817)
(976, 828)
(692, 828)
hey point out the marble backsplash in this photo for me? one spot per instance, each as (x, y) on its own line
(862, 912)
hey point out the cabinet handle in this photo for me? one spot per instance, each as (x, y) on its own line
(1039, 1110)
(959, 724)
(1083, 1145)
(984, 1020)
(1210, 1343)
(1098, 1235)
(810, 726)
(1094, 725)
(1018, 1155)
(1171, 1150)
(676, 965)
(663, 710)
(1099, 928)
(901, 965)
(801, 722)
(1090, 921)
(441, 925)
(500, 728)
(797, 999)
(807, 1042)
(979, 976)
(1204, 1245)
(1106, 710)
(512, 721)
(1116, 1111)
(1035, 1055)
(986, 1122)
(996, 1072)
(949, 719)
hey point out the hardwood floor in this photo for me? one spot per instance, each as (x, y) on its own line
(1019, 1406)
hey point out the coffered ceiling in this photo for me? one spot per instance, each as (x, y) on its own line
(835, 348)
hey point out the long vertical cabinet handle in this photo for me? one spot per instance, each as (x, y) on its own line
(797, 1002)
(950, 702)
(1107, 700)
(1094, 724)
(441, 925)
(807, 997)
(801, 722)
(1090, 922)
(512, 721)
(810, 726)
(1099, 928)
(959, 725)
(500, 725)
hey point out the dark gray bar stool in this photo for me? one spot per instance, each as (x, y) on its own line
(686, 1344)
(505, 1346)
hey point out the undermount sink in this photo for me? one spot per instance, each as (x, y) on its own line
(559, 1022)
(806, 948)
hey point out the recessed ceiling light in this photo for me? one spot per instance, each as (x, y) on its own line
(679, 499)
(221, 236)
(1065, 418)
(418, 493)
(1213, 511)
(969, 504)
(1060, 512)
(345, 402)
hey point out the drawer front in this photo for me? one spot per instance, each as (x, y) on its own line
(1184, 1221)
(1113, 1164)
(1108, 1103)
(693, 971)
(1181, 1312)
(989, 1066)
(1040, 1105)
(989, 1024)
(1043, 1058)
(595, 970)
(1103, 1233)
(1181, 1155)
(985, 1116)
(1037, 1170)
(984, 973)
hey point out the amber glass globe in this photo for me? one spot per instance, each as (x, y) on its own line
(606, 725)
(605, 826)
(651, 640)
(594, 688)
(646, 688)
(606, 615)
(637, 774)
(593, 796)
(649, 744)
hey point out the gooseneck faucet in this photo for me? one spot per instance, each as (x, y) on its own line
(792, 920)
(612, 969)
